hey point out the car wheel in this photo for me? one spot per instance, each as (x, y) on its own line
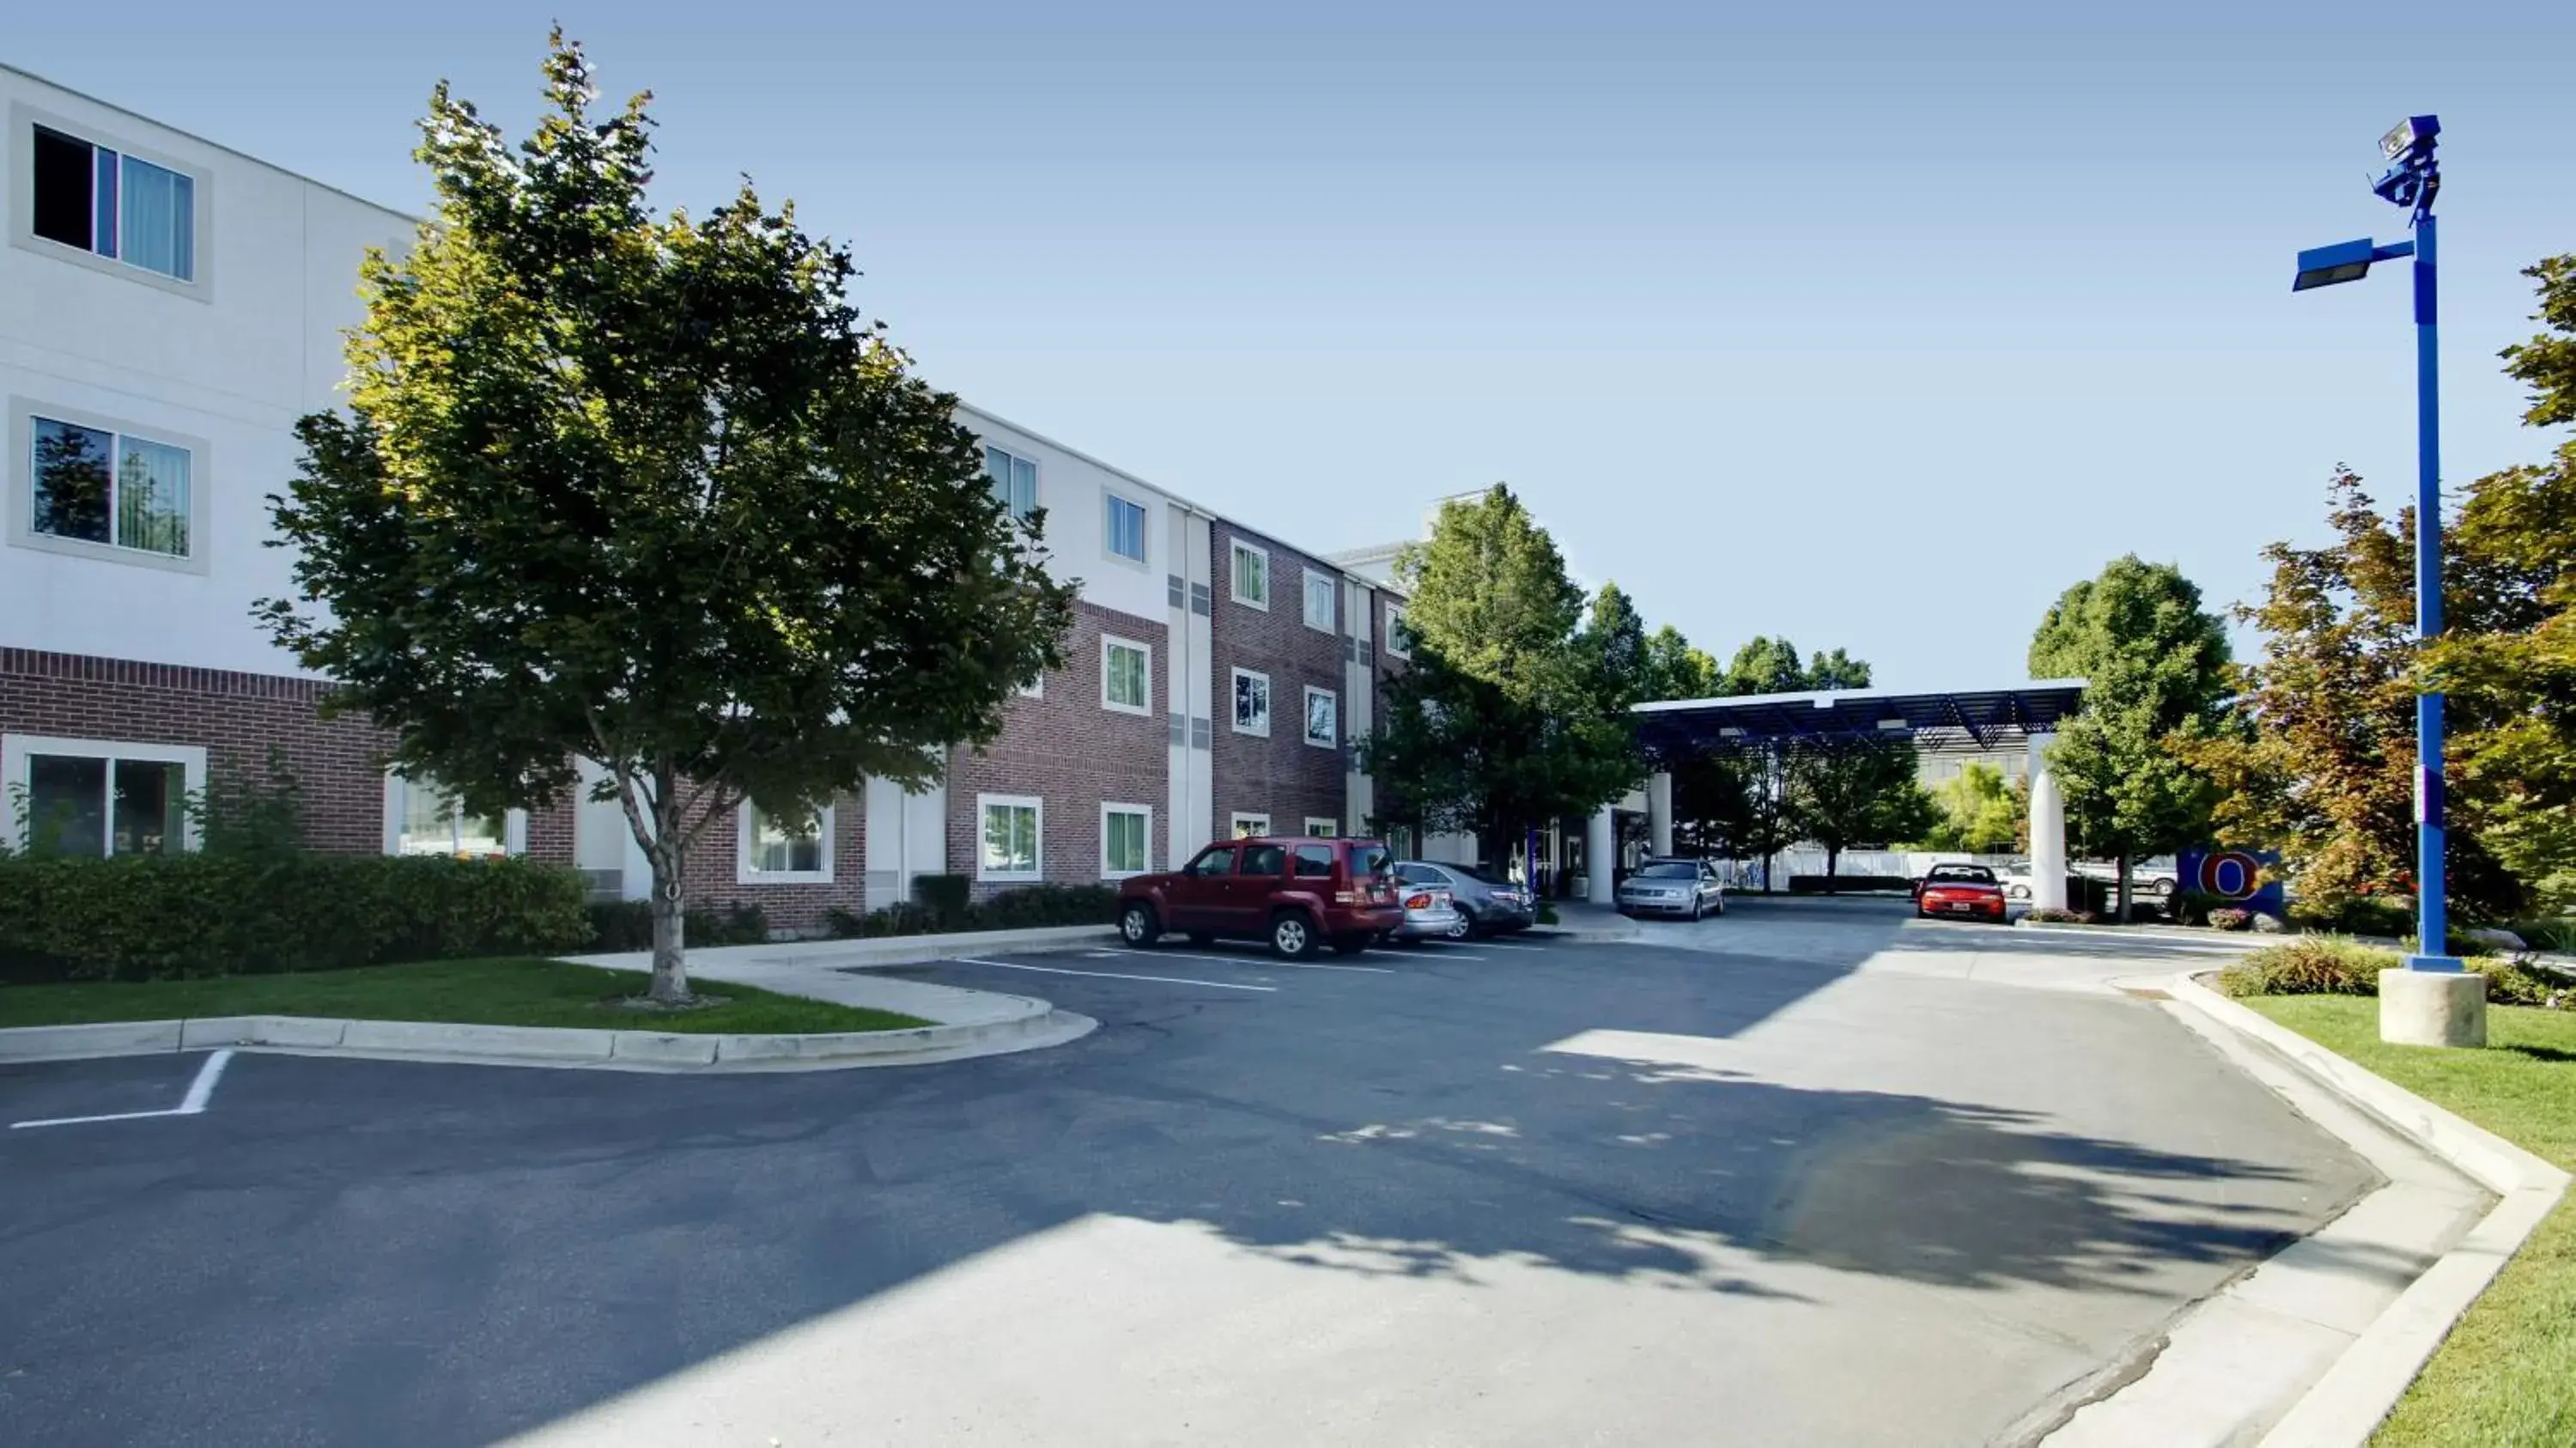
(1694, 915)
(1464, 929)
(1137, 925)
(1292, 935)
(1718, 909)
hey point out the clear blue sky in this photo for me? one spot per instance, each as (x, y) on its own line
(1871, 324)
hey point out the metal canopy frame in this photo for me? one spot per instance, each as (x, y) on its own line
(1944, 721)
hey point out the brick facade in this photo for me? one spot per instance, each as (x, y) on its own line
(1071, 752)
(1281, 776)
(235, 718)
(711, 873)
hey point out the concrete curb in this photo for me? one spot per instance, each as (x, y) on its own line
(1039, 1024)
(890, 950)
(2346, 1405)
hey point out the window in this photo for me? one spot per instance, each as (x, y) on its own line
(1126, 676)
(1265, 860)
(1125, 528)
(1314, 862)
(112, 205)
(1319, 600)
(88, 797)
(775, 851)
(424, 819)
(1126, 840)
(1251, 702)
(1398, 642)
(1251, 572)
(99, 489)
(1323, 717)
(1248, 825)
(1214, 860)
(1319, 826)
(1010, 837)
(1014, 480)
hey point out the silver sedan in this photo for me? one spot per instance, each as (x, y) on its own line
(1688, 888)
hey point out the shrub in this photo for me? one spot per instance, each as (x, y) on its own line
(2061, 917)
(1547, 913)
(2310, 965)
(2556, 934)
(141, 917)
(628, 925)
(2520, 983)
(2230, 918)
(2375, 915)
(944, 896)
(2192, 907)
(1034, 905)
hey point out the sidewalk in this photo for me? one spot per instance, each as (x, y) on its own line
(830, 956)
(1581, 920)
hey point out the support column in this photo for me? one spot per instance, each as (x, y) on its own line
(2047, 830)
(1600, 857)
(1659, 813)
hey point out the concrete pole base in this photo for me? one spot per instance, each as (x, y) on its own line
(2432, 1007)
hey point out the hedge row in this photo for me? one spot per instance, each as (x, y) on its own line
(152, 917)
(939, 906)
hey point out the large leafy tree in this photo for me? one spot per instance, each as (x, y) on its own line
(1513, 712)
(2155, 665)
(1980, 811)
(1845, 792)
(1738, 799)
(648, 491)
(1675, 669)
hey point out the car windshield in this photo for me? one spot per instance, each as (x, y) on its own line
(1669, 870)
(1969, 874)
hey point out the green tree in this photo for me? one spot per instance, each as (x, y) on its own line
(648, 491)
(1676, 670)
(1845, 792)
(1980, 811)
(1613, 647)
(2155, 665)
(1765, 666)
(1507, 716)
(1737, 799)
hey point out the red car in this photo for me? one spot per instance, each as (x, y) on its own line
(1960, 891)
(1295, 893)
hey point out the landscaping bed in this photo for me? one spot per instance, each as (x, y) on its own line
(2506, 1375)
(504, 991)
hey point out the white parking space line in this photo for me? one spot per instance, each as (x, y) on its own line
(1432, 950)
(1261, 962)
(1115, 975)
(1504, 945)
(200, 1091)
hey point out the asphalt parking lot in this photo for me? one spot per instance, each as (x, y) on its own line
(1801, 1174)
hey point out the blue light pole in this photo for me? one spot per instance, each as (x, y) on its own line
(2412, 180)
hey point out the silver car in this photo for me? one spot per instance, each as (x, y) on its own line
(1487, 903)
(1429, 914)
(1688, 888)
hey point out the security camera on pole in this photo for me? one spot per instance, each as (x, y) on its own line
(2433, 1001)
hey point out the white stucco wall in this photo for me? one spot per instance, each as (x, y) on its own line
(225, 364)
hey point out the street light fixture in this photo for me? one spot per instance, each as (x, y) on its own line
(2431, 1011)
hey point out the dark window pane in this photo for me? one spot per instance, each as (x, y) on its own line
(63, 188)
(1315, 862)
(1264, 859)
(71, 472)
(66, 804)
(151, 807)
(1218, 861)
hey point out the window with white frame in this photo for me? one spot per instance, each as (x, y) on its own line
(424, 818)
(1251, 702)
(1398, 641)
(98, 797)
(1014, 479)
(1321, 827)
(110, 204)
(1251, 575)
(93, 488)
(1012, 826)
(1126, 675)
(1320, 591)
(1247, 825)
(1124, 528)
(1323, 717)
(1126, 840)
(778, 849)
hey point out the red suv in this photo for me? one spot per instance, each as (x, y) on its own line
(1294, 893)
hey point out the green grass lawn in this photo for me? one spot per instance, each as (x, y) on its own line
(515, 991)
(2507, 1374)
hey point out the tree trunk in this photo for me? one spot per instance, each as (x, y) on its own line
(2121, 910)
(1833, 855)
(670, 922)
